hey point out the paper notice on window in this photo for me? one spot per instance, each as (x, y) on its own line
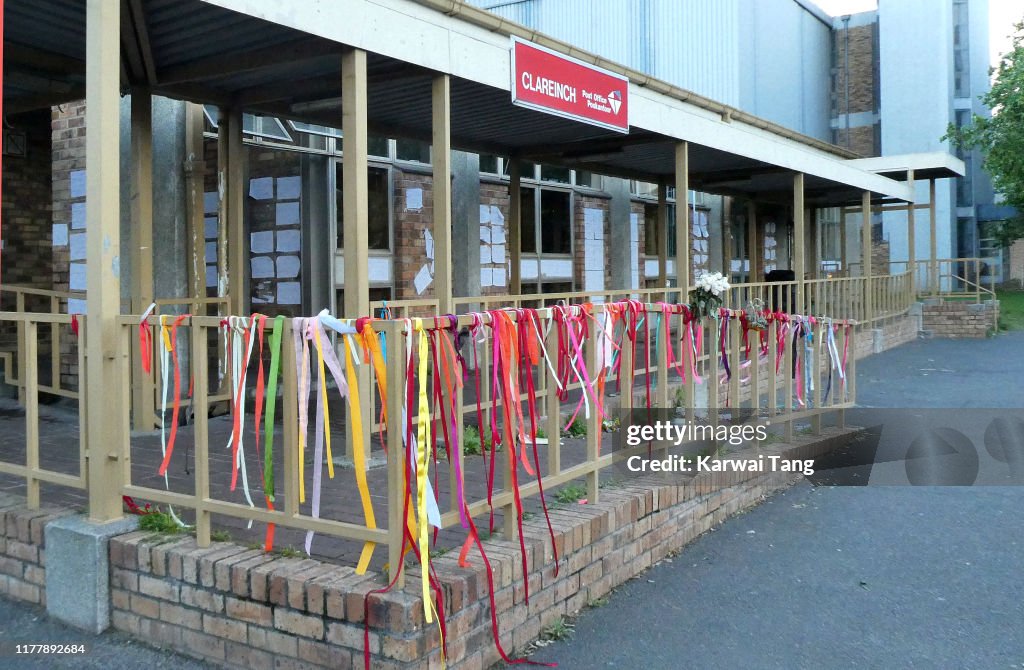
(422, 280)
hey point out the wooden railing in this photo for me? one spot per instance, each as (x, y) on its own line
(753, 384)
(29, 327)
(56, 336)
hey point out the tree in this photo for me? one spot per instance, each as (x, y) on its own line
(1001, 137)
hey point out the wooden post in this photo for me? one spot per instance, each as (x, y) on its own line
(728, 244)
(594, 422)
(911, 243)
(396, 450)
(105, 425)
(201, 429)
(356, 219)
(515, 222)
(143, 385)
(553, 409)
(752, 251)
(30, 375)
(865, 253)
(799, 267)
(844, 266)
(683, 220)
(933, 262)
(442, 158)
(662, 233)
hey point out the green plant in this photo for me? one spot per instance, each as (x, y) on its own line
(1000, 137)
(159, 522)
(598, 602)
(473, 444)
(577, 428)
(528, 515)
(680, 398)
(611, 425)
(571, 493)
(1011, 309)
(559, 630)
(220, 536)
(541, 432)
(289, 552)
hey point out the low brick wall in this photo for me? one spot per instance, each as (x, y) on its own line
(23, 550)
(242, 608)
(960, 319)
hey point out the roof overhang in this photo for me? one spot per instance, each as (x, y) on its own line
(284, 59)
(931, 165)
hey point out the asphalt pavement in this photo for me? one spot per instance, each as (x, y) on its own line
(845, 576)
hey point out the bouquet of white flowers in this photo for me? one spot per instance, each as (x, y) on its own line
(707, 294)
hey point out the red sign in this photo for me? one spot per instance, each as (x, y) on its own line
(550, 82)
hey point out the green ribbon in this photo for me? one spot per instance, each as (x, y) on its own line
(271, 405)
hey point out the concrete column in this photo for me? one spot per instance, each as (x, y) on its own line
(620, 248)
(515, 223)
(466, 223)
(317, 246)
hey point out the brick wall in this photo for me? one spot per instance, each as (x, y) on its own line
(960, 319)
(410, 243)
(23, 550)
(880, 258)
(27, 220)
(243, 608)
(861, 64)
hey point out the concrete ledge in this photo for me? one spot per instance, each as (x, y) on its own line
(78, 570)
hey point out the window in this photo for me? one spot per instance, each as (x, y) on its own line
(965, 184)
(961, 50)
(556, 174)
(377, 146)
(489, 164)
(588, 179)
(528, 220)
(379, 214)
(314, 129)
(555, 222)
(651, 230)
(412, 150)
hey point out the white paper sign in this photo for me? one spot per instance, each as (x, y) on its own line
(414, 199)
(422, 280)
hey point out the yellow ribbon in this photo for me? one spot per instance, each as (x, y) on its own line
(359, 457)
(323, 396)
(422, 438)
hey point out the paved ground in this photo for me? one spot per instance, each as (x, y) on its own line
(843, 577)
(21, 624)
